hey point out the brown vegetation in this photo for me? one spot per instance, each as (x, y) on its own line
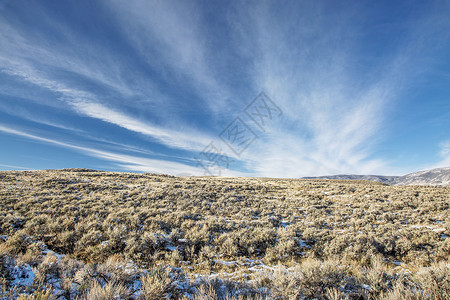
(100, 235)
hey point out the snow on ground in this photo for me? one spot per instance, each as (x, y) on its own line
(23, 275)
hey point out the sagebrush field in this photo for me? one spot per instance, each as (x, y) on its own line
(83, 234)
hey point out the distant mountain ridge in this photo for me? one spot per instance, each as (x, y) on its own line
(439, 177)
(380, 178)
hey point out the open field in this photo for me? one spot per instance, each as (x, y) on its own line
(95, 235)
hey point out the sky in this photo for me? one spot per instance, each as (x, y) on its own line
(229, 88)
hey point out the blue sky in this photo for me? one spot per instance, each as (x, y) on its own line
(242, 88)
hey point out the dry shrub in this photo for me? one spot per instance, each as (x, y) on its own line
(157, 284)
(33, 254)
(141, 247)
(68, 267)
(86, 275)
(206, 292)
(285, 283)
(39, 295)
(118, 270)
(37, 226)
(225, 290)
(376, 277)
(315, 277)
(65, 242)
(5, 277)
(403, 292)
(435, 280)
(312, 279)
(334, 294)
(109, 291)
(18, 243)
(47, 268)
(228, 244)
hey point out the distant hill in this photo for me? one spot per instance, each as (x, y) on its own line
(439, 176)
(383, 179)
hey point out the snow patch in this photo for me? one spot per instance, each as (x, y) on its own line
(23, 275)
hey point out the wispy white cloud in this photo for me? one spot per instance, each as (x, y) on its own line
(76, 54)
(445, 149)
(13, 167)
(130, 162)
(324, 129)
(181, 140)
(172, 38)
(444, 156)
(83, 103)
(333, 116)
(28, 61)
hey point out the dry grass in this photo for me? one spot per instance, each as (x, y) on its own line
(243, 237)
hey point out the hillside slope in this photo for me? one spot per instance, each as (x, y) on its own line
(84, 234)
(434, 177)
(440, 176)
(380, 178)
